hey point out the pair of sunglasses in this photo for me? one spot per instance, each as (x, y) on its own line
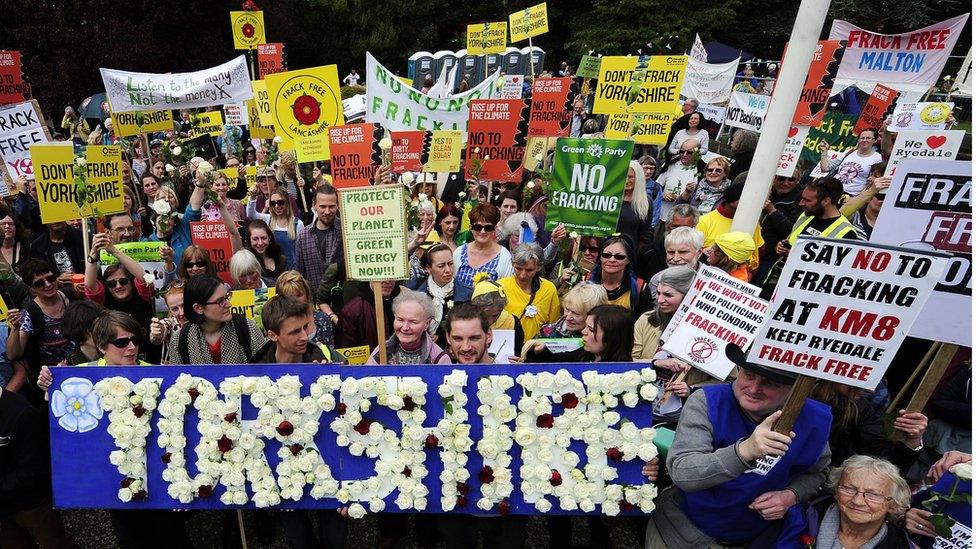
(192, 264)
(41, 282)
(486, 228)
(618, 257)
(123, 342)
(117, 282)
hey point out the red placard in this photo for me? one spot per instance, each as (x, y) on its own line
(271, 59)
(409, 152)
(816, 91)
(355, 153)
(552, 107)
(497, 129)
(213, 237)
(13, 89)
(878, 107)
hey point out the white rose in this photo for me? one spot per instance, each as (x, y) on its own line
(543, 505)
(386, 143)
(80, 161)
(485, 504)
(119, 386)
(648, 391)
(407, 178)
(962, 470)
(278, 139)
(524, 436)
(631, 400)
(357, 511)
(177, 150)
(587, 505)
(125, 494)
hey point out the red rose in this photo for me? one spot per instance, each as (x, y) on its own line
(626, 505)
(165, 458)
(295, 449)
(247, 30)
(225, 444)
(285, 428)
(306, 110)
(231, 417)
(486, 475)
(408, 403)
(462, 501)
(615, 454)
(126, 482)
(555, 478)
(362, 427)
(504, 507)
(138, 410)
(570, 401)
(462, 488)
(342, 408)
(141, 494)
(193, 393)
(407, 472)
(431, 441)
(544, 421)
(808, 540)
(205, 491)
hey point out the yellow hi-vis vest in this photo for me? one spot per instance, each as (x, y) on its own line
(838, 229)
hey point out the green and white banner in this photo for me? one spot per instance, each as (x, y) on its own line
(588, 179)
(399, 107)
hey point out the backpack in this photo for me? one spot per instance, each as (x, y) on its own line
(240, 328)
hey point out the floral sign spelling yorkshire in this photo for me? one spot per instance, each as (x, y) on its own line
(491, 439)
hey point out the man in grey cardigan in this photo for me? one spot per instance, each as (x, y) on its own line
(736, 479)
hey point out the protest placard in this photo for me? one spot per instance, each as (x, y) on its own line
(408, 152)
(836, 129)
(375, 229)
(271, 59)
(207, 123)
(312, 148)
(56, 189)
(371, 437)
(235, 115)
(263, 102)
(139, 91)
(486, 38)
(613, 84)
(13, 89)
(747, 110)
(552, 107)
(502, 345)
(656, 83)
(651, 128)
(842, 309)
(820, 78)
(795, 138)
(129, 124)
(356, 355)
(445, 151)
(529, 22)
(718, 315)
(21, 126)
(497, 128)
(709, 82)
(929, 207)
(920, 116)
(147, 255)
(511, 87)
(248, 29)
(305, 103)
(878, 107)
(213, 237)
(399, 107)
(588, 179)
(618, 126)
(705, 275)
(255, 127)
(915, 57)
(589, 67)
(355, 153)
(931, 144)
(537, 149)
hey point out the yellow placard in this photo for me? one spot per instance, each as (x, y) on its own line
(662, 80)
(613, 84)
(484, 38)
(242, 302)
(54, 171)
(618, 126)
(652, 128)
(254, 126)
(305, 103)
(207, 123)
(528, 22)
(250, 176)
(126, 124)
(311, 149)
(263, 102)
(355, 355)
(248, 28)
(3, 312)
(445, 151)
(405, 80)
(536, 150)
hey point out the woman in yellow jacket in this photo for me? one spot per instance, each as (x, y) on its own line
(532, 299)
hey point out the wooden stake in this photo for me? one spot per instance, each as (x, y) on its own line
(380, 320)
(933, 375)
(922, 366)
(679, 377)
(240, 525)
(85, 241)
(802, 388)
(531, 60)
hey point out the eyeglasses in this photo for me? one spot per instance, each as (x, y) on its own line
(483, 228)
(277, 202)
(117, 282)
(780, 178)
(42, 282)
(684, 152)
(123, 342)
(714, 170)
(849, 491)
(125, 230)
(196, 264)
(219, 301)
(618, 257)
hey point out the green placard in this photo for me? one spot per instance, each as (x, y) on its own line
(588, 179)
(375, 232)
(589, 67)
(837, 129)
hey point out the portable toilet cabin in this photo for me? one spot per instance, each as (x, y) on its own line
(419, 66)
(538, 58)
(513, 62)
(472, 67)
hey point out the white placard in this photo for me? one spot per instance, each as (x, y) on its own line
(502, 345)
(708, 82)
(935, 145)
(792, 150)
(705, 273)
(919, 116)
(141, 91)
(747, 111)
(20, 127)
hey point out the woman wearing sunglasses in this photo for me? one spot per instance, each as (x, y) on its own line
(117, 337)
(705, 194)
(212, 334)
(566, 274)
(615, 272)
(282, 221)
(122, 286)
(483, 255)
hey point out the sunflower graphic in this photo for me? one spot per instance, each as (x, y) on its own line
(306, 110)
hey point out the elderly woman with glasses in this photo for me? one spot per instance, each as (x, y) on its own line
(705, 194)
(531, 298)
(483, 255)
(681, 170)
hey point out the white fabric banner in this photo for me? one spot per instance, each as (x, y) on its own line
(141, 91)
(913, 58)
(747, 111)
(709, 83)
(399, 107)
(964, 78)
(698, 51)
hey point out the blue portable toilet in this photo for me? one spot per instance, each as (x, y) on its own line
(538, 58)
(472, 67)
(419, 66)
(513, 62)
(443, 58)
(492, 61)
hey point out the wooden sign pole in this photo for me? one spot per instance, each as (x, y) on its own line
(679, 377)
(240, 525)
(933, 375)
(922, 366)
(802, 388)
(380, 321)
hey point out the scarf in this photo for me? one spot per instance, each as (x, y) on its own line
(440, 295)
(827, 537)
